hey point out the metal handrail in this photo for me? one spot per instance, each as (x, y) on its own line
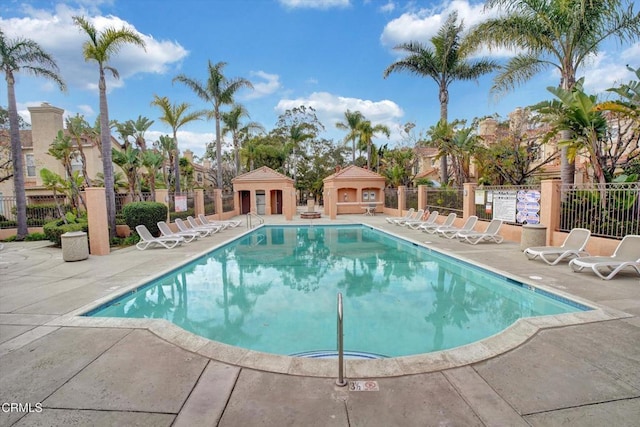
(341, 382)
(250, 215)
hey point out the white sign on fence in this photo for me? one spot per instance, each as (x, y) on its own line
(181, 203)
(504, 205)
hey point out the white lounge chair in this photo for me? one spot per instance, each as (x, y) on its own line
(232, 223)
(451, 231)
(147, 239)
(573, 247)
(194, 224)
(433, 216)
(433, 228)
(626, 255)
(489, 235)
(417, 216)
(166, 231)
(409, 214)
(182, 226)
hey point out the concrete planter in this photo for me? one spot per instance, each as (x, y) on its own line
(123, 230)
(75, 246)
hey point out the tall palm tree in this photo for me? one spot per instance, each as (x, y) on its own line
(218, 90)
(366, 132)
(352, 120)
(22, 55)
(100, 48)
(233, 124)
(447, 61)
(176, 116)
(560, 34)
(167, 146)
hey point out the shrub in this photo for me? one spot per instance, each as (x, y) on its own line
(181, 215)
(145, 213)
(55, 229)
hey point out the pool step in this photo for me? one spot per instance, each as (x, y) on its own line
(333, 354)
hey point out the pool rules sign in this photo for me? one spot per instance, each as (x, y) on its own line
(517, 206)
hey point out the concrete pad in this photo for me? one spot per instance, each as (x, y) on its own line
(8, 332)
(485, 402)
(66, 417)
(417, 400)
(25, 319)
(66, 301)
(26, 338)
(540, 376)
(22, 298)
(612, 346)
(139, 373)
(207, 401)
(33, 372)
(621, 413)
(261, 398)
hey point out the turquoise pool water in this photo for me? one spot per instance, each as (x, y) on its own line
(274, 290)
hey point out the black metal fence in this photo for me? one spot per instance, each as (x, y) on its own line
(608, 210)
(445, 200)
(227, 201)
(40, 210)
(210, 203)
(391, 198)
(181, 205)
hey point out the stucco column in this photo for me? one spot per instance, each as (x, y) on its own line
(98, 221)
(162, 196)
(402, 199)
(288, 202)
(422, 197)
(550, 206)
(198, 201)
(469, 199)
(333, 203)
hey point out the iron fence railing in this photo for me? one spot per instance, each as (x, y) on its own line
(484, 202)
(40, 210)
(209, 203)
(123, 198)
(228, 202)
(411, 198)
(445, 200)
(391, 198)
(608, 210)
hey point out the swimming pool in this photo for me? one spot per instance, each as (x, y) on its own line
(274, 290)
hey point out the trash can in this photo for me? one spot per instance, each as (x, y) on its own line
(533, 235)
(75, 246)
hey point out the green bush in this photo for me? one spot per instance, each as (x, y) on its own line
(145, 213)
(55, 229)
(181, 215)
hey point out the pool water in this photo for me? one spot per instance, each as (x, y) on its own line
(274, 290)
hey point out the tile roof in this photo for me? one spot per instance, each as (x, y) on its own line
(264, 173)
(354, 172)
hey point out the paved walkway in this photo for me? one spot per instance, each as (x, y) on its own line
(582, 374)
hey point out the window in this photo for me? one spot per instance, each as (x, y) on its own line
(30, 161)
(76, 165)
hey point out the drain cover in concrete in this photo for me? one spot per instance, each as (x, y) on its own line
(363, 386)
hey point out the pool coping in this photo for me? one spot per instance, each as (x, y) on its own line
(508, 339)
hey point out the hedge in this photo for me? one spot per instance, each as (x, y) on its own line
(145, 213)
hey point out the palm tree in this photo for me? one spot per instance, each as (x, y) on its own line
(176, 116)
(366, 132)
(219, 91)
(554, 34)
(140, 126)
(153, 160)
(79, 130)
(233, 123)
(22, 55)
(100, 47)
(167, 146)
(446, 62)
(352, 120)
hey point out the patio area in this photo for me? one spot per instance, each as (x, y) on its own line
(150, 374)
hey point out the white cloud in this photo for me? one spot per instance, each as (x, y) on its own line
(608, 69)
(390, 6)
(270, 85)
(56, 33)
(330, 109)
(314, 4)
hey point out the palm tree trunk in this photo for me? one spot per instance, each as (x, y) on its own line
(176, 161)
(444, 113)
(16, 158)
(218, 150)
(353, 153)
(107, 164)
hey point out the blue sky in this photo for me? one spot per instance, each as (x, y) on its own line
(328, 54)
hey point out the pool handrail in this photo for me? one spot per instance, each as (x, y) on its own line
(340, 382)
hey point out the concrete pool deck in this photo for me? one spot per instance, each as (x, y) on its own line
(583, 371)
